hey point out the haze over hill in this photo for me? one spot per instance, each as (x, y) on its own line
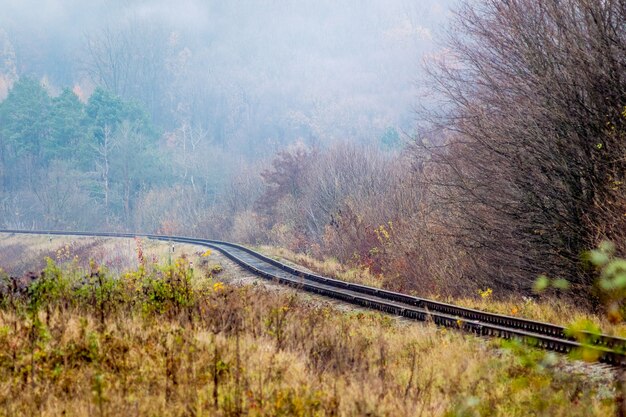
(293, 123)
(258, 74)
(153, 115)
(290, 126)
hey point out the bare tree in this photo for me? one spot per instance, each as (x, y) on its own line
(62, 200)
(131, 61)
(286, 177)
(347, 172)
(531, 171)
(103, 164)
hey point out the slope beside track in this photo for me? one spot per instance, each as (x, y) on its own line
(606, 349)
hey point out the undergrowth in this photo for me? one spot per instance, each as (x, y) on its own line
(170, 341)
(563, 310)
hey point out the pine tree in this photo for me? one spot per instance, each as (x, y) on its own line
(24, 118)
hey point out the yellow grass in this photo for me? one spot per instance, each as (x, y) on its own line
(558, 311)
(246, 350)
(329, 267)
(19, 253)
(224, 350)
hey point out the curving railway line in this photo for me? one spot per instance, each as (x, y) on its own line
(607, 349)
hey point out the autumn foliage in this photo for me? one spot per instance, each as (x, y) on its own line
(520, 174)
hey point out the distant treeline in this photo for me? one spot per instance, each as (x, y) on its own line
(65, 163)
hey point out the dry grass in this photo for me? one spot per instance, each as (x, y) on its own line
(329, 267)
(22, 253)
(245, 350)
(170, 341)
(560, 311)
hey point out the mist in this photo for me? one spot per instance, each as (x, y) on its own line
(278, 70)
(149, 115)
(461, 162)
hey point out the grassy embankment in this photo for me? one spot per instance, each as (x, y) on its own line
(547, 309)
(164, 340)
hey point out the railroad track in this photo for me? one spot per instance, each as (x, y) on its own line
(607, 349)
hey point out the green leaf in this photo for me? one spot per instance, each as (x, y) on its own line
(598, 258)
(561, 284)
(616, 266)
(606, 284)
(619, 281)
(541, 283)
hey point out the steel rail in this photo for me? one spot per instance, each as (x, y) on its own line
(608, 349)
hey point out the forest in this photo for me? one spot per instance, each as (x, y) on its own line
(442, 161)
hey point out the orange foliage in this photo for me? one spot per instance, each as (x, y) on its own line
(80, 93)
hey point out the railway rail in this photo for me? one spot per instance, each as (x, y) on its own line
(607, 349)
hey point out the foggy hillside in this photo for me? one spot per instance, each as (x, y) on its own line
(256, 74)
(150, 115)
(471, 153)
(294, 124)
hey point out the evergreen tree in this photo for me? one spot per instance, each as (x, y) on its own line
(67, 133)
(106, 111)
(24, 118)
